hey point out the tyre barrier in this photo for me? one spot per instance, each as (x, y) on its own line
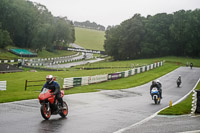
(79, 81)
(3, 85)
(195, 102)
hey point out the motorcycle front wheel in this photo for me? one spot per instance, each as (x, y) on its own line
(45, 112)
(64, 111)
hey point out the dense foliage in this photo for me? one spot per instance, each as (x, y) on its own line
(154, 36)
(31, 25)
(90, 25)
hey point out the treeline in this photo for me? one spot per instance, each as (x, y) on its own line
(176, 34)
(89, 25)
(30, 25)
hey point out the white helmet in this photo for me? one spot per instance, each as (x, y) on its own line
(157, 81)
(49, 79)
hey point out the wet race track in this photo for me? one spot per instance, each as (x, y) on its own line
(100, 112)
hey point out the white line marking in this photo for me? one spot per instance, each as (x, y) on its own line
(152, 116)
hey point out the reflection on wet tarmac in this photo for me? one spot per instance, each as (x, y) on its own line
(52, 125)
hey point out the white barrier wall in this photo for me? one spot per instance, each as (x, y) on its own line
(151, 66)
(3, 85)
(68, 82)
(133, 71)
(85, 80)
(143, 69)
(97, 78)
(77, 81)
(126, 74)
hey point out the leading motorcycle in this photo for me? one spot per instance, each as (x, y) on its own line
(155, 95)
(50, 106)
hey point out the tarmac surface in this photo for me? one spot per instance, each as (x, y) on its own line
(168, 124)
(109, 111)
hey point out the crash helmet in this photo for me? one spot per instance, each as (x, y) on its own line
(157, 81)
(49, 79)
(179, 76)
(153, 82)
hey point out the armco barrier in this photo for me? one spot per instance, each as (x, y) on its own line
(3, 85)
(77, 81)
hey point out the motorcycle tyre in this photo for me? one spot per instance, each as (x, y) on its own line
(64, 112)
(156, 101)
(45, 114)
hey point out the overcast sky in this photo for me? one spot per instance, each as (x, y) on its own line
(113, 12)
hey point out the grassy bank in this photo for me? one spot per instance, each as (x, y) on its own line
(90, 39)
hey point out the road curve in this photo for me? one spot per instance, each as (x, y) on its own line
(98, 112)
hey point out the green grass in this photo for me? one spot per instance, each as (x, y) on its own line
(140, 62)
(90, 39)
(44, 53)
(121, 64)
(181, 108)
(128, 82)
(5, 55)
(16, 81)
(182, 60)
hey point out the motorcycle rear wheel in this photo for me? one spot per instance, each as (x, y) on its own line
(156, 101)
(46, 114)
(64, 112)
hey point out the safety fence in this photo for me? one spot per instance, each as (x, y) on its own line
(3, 85)
(38, 61)
(78, 81)
(7, 61)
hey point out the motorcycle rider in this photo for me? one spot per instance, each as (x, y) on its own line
(179, 79)
(155, 84)
(159, 87)
(191, 65)
(54, 87)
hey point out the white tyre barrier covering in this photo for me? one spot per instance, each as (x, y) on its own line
(85, 80)
(194, 102)
(97, 78)
(133, 71)
(77, 81)
(126, 73)
(3, 85)
(68, 82)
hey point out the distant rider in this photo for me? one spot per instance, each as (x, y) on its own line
(54, 87)
(179, 79)
(155, 84)
(191, 65)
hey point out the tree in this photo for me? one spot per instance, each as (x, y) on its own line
(5, 39)
(125, 39)
(157, 38)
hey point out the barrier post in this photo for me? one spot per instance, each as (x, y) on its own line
(26, 84)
